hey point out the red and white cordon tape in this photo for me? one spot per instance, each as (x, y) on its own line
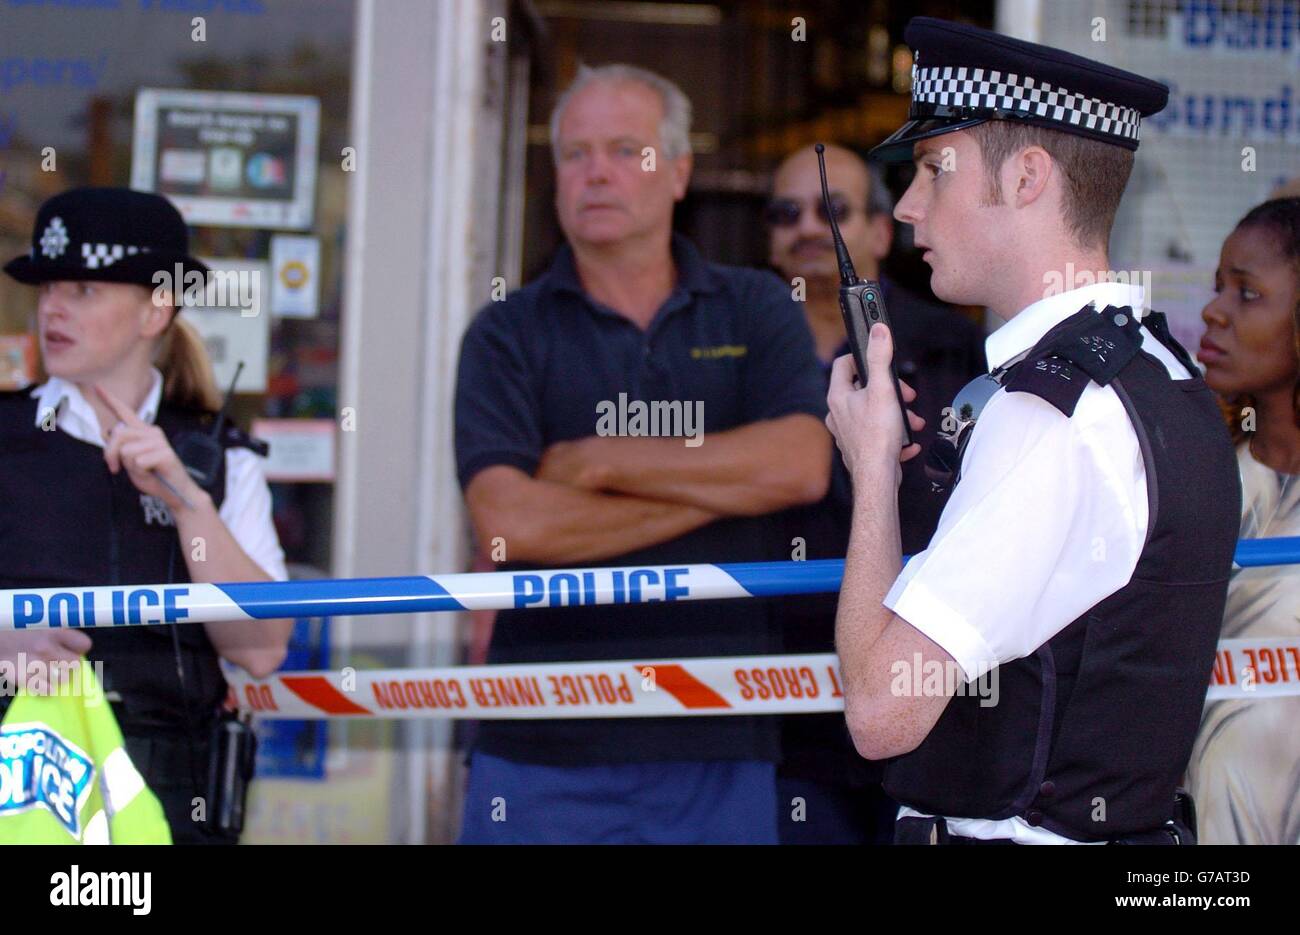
(1244, 669)
(729, 685)
(1255, 668)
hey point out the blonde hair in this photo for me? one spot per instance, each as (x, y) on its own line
(187, 371)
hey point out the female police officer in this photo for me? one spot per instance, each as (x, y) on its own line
(92, 491)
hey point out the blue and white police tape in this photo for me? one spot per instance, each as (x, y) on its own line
(86, 607)
(125, 605)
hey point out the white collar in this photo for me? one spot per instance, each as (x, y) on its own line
(1024, 330)
(75, 414)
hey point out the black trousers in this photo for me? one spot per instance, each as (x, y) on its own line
(175, 768)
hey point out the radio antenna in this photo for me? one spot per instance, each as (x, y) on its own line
(848, 276)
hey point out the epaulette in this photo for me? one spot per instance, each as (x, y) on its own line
(232, 436)
(1089, 345)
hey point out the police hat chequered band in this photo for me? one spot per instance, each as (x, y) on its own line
(99, 255)
(989, 90)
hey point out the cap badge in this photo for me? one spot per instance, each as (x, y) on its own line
(55, 239)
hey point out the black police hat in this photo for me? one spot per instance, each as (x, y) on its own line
(109, 235)
(964, 75)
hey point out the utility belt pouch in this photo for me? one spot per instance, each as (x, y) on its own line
(231, 761)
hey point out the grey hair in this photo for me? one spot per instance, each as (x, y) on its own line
(674, 128)
(879, 200)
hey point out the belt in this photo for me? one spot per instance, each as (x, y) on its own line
(914, 829)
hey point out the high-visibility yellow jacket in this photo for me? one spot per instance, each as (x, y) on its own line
(65, 776)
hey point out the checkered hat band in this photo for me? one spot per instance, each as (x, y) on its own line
(985, 89)
(99, 255)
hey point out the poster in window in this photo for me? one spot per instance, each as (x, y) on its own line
(229, 160)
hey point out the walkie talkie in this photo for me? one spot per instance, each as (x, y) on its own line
(202, 453)
(862, 303)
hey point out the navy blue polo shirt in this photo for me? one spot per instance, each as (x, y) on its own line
(533, 370)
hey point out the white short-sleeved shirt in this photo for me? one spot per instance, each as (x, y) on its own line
(1049, 519)
(246, 507)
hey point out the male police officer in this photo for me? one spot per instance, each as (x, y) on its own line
(1076, 582)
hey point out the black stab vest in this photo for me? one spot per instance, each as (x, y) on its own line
(66, 521)
(1092, 732)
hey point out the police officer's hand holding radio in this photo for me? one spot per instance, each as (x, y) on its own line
(872, 409)
(866, 322)
(122, 468)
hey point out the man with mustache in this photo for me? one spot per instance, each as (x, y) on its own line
(628, 307)
(939, 351)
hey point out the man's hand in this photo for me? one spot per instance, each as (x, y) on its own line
(578, 463)
(146, 454)
(866, 423)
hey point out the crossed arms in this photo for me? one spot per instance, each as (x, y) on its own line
(599, 497)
